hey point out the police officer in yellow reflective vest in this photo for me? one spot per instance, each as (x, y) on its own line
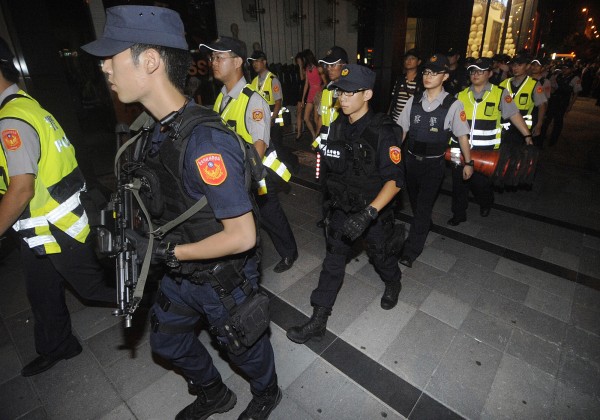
(39, 192)
(485, 105)
(246, 111)
(527, 94)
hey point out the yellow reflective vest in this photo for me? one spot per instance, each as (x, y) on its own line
(330, 109)
(484, 117)
(266, 91)
(523, 98)
(57, 185)
(234, 115)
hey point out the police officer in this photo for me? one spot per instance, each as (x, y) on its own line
(40, 185)
(568, 86)
(268, 85)
(538, 71)
(528, 95)
(244, 109)
(430, 119)
(410, 83)
(364, 174)
(457, 74)
(485, 105)
(146, 58)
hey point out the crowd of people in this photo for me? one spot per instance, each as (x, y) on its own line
(210, 261)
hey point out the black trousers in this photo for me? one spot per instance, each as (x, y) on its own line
(338, 251)
(557, 108)
(44, 281)
(481, 187)
(274, 221)
(423, 180)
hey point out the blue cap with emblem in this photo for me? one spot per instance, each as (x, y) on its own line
(354, 77)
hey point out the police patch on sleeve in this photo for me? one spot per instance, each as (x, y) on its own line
(212, 168)
(395, 154)
(11, 139)
(276, 88)
(463, 116)
(508, 99)
(257, 115)
(540, 89)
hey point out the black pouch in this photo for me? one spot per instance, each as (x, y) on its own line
(247, 323)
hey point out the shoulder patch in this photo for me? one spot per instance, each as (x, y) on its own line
(11, 139)
(257, 115)
(395, 154)
(463, 116)
(540, 89)
(508, 99)
(212, 168)
(276, 88)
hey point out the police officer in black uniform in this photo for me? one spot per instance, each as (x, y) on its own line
(194, 156)
(364, 174)
(430, 120)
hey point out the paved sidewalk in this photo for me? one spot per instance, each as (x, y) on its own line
(498, 318)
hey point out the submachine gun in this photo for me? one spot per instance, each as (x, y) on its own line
(120, 215)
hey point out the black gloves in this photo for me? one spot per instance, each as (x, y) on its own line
(356, 224)
(162, 252)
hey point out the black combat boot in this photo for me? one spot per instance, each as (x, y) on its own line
(213, 397)
(390, 294)
(314, 328)
(262, 403)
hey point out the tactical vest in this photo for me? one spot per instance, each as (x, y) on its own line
(484, 118)
(427, 136)
(57, 184)
(353, 178)
(329, 112)
(266, 91)
(167, 166)
(234, 115)
(523, 99)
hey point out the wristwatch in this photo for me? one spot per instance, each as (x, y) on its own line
(470, 163)
(372, 212)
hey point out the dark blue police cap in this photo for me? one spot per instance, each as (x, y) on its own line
(129, 25)
(354, 77)
(482, 63)
(335, 55)
(437, 62)
(227, 44)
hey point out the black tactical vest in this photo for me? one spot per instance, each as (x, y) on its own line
(427, 136)
(353, 178)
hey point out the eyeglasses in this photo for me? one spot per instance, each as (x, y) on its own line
(218, 58)
(337, 93)
(477, 72)
(429, 73)
(331, 66)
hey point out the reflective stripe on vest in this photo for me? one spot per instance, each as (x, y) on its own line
(277, 166)
(57, 184)
(485, 129)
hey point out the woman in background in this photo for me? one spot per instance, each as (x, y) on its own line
(313, 83)
(299, 59)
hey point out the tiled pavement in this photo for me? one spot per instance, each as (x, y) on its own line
(498, 318)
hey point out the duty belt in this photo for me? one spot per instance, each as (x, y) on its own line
(419, 158)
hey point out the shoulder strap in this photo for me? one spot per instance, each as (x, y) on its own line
(448, 101)
(11, 97)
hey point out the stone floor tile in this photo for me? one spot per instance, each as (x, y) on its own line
(76, 386)
(534, 351)
(534, 277)
(549, 304)
(122, 412)
(418, 349)
(425, 273)
(324, 393)
(467, 252)
(590, 241)
(298, 294)
(437, 258)
(587, 297)
(487, 329)
(472, 272)
(497, 306)
(163, 399)
(580, 373)
(20, 328)
(447, 309)
(584, 344)
(36, 414)
(564, 259)
(374, 329)
(464, 376)
(519, 391)
(92, 320)
(357, 263)
(542, 325)
(572, 404)
(291, 359)
(17, 398)
(13, 298)
(507, 287)
(589, 262)
(586, 318)
(413, 292)
(10, 365)
(277, 282)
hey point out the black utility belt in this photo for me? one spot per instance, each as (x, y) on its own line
(420, 158)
